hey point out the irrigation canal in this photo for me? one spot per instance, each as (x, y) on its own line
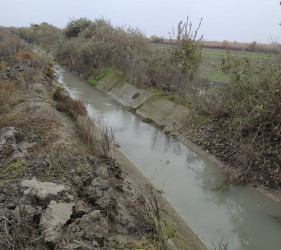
(241, 216)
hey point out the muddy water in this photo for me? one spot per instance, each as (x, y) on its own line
(240, 216)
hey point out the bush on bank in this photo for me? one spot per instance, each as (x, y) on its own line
(246, 113)
(87, 45)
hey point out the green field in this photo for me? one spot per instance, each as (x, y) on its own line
(212, 59)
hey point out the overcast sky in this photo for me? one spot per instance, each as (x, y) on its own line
(232, 20)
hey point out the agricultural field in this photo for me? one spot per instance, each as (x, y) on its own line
(212, 59)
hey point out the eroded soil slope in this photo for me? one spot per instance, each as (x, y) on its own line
(59, 188)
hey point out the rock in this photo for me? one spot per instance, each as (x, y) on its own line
(100, 183)
(11, 205)
(81, 208)
(55, 216)
(116, 171)
(94, 225)
(137, 94)
(124, 220)
(106, 200)
(121, 229)
(9, 137)
(8, 134)
(42, 190)
(100, 193)
(96, 189)
(69, 197)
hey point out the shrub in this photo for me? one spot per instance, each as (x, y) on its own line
(187, 53)
(252, 46)
(45, 35)
(76, 26)
(90, 45)
(10, 44)
(247, 111)
(156, 39)
(225, 44)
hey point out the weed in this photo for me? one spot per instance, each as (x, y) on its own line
(96, 135)
(93, 81)
(14, 170)
(3, 65)
(23, 121)
(148, 120)
(107, 137)
(19, 231)
(87, 131)
(220, 245)
(151, 208)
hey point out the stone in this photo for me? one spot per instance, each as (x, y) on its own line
(42, 190)
(81, 208)
(106, 200)
(55, 216)
(8, 134)
(96, 189)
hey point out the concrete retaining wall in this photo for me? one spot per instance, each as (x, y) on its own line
(172, 117)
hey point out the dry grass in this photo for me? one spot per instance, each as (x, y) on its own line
(10, 44)
(7, 95)
(20, 231)
(96, 135)
(23, 121)
(32, 59)
(150, 207)
(66, 104)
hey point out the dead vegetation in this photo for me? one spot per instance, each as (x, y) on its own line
(7, 95)
(66, 104)
(149, 204)
(97, 135)
(19, 231)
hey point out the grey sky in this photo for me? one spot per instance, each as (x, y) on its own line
(233, 20)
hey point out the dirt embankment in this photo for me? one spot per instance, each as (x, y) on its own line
(180, 122)
(63, 188)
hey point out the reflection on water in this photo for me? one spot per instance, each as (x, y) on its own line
(242, 216)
